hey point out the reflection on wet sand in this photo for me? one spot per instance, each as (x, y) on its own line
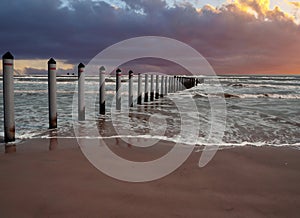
(53, 143)
(9, 149)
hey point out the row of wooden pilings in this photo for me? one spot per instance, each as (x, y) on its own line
(163, 85)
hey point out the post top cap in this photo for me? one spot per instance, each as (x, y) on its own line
(118, 70)
(51, 61)
(81, 65)
(102, 69)
(130, 72)
(8, 55)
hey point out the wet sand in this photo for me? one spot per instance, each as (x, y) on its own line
(54, 179)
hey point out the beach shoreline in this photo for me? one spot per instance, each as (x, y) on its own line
(51, 177)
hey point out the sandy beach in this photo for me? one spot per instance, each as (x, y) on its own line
(43, 179)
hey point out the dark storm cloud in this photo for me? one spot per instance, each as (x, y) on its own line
(231, 40)
(38, 29)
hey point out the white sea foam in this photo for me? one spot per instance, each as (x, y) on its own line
(177, 140)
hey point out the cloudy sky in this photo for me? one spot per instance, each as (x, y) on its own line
(241, 36)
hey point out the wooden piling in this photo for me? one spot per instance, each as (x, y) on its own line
(118, 89)
(157, 87)
(139, 94)
(130, 87)
(162, 87)
(8, 97)
(146, 95)
(152, 88)
(81, 94)
(52, 94)
(102, 90)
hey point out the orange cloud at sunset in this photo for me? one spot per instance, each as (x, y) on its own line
(250, 37)
(261, 9)
(256, 7)
(296, 4)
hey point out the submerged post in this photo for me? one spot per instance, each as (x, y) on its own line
(152, 88)
(102, 90)
(130, 86)
(8, 97)
(52, 94)
(157, 87)
(146, 88)
(139, 98)
(81, 102)
(162, 87)
(118, 89)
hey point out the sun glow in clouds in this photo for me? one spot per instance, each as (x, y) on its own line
(21, 65)
(262, 9)
(259, 7)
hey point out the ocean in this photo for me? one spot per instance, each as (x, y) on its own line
(260, 111)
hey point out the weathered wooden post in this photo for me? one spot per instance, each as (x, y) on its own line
(130, 87)
(169, 86)
(166, 85)
(162, 87)
(179, 83)
(52, 93)
(175, 84)
(157, 87)
(139, 98)
(118, 89)
(152, 88)
(102, 90)
(8, 97)
(146, 96)
(81, 102)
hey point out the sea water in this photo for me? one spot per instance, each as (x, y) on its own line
(260, 110)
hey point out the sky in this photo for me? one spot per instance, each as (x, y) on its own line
(235, 36)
